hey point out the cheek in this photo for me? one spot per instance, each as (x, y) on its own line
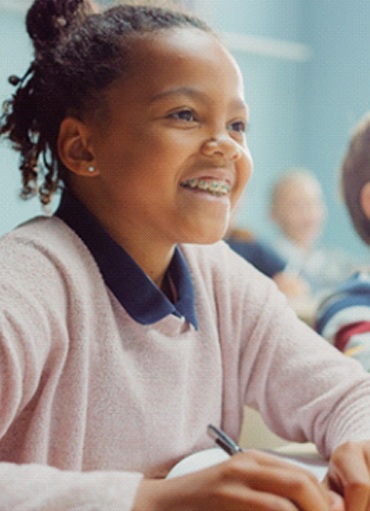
(244, 169)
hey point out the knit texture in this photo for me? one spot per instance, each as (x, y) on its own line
(91, 400)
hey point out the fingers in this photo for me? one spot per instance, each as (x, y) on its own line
(252, 481)
(269, 477)
(336, 502)
(349, 474)
(248, 499)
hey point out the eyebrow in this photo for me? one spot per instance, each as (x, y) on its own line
(194, 93)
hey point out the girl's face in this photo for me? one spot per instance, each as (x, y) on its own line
(171, 156)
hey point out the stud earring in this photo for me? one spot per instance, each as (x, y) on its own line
(91, 169)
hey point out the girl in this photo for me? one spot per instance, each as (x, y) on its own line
(125, 328)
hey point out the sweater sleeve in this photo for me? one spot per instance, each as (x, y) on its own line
(35, 487)
(305, 389)
(33, 352)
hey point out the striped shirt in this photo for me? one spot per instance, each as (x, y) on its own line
(344, 318)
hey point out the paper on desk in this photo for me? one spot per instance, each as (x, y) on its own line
(197, 461)
(209, 457)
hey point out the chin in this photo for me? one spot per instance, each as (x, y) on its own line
(203, 233)
(207, 238)
(209, 241)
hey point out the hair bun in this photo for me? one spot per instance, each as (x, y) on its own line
(48, 20)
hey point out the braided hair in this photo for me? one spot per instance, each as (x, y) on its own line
(78, 53)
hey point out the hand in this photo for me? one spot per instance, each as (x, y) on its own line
(252, 481)
(349, 474)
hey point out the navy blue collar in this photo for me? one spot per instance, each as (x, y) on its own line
(136, 292)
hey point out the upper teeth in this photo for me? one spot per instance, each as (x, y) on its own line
(214, 187)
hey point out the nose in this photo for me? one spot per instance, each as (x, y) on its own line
(222, 146)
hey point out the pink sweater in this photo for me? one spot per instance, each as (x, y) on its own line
(91, 400)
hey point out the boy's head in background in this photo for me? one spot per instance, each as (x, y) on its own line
(355, 178)
(297, 207)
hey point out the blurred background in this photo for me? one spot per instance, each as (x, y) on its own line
(306, 66)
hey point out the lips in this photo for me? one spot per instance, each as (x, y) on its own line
(212, 186)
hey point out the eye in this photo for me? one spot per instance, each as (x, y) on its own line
(238, 126)
(184, 114)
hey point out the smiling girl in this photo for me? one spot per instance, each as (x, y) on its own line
(126, 326)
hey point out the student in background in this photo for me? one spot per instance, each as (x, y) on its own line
(344, 317)
(298, 209)
(126, 325)
(266, 260)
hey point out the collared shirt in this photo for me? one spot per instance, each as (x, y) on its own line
(136, 292)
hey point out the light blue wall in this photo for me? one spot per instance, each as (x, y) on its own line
(301, 110)
(270, 18)
(274, 90)
(15, 56)
(337, 92)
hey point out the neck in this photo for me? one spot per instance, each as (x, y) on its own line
(151, 254)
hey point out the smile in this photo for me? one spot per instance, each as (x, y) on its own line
(217, 188)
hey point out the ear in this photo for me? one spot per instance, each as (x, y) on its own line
(75, 148)
(365, 200)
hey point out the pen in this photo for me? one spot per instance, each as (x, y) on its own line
(223, 440)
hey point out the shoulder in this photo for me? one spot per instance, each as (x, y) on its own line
(46, 236)
(40, 229)
(44, 255)
(214, 257)
(226, 274)
(262, 256)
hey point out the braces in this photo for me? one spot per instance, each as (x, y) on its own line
(214, 187)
